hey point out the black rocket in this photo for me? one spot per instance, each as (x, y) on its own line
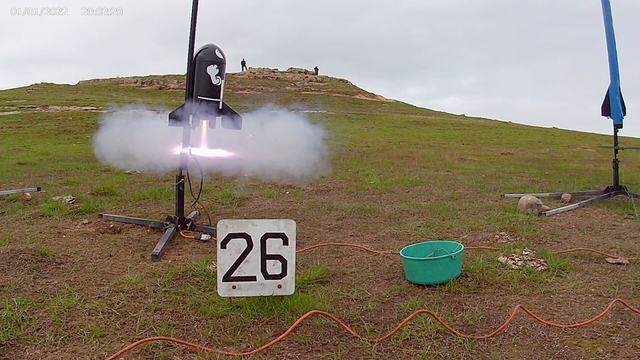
(205, 90)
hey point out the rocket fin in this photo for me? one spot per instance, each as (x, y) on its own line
(178, 116)
(605, 109)
(203, 110)
(230, 118)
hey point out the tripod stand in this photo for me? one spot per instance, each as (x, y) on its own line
(613, 107)
(610, 191)
(174, 223)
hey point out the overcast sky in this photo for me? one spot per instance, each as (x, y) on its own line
(537, 62)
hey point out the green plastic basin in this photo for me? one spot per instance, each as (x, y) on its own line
(432, 262)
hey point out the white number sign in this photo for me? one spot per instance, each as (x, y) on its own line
(256, 257)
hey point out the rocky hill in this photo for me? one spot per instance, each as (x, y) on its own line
(255, 80)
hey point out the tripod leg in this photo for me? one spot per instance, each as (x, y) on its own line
(211, 230)
(133, 220)
(19, 191)
(556, 194)
(579, 204)
(169, 232)
(194, 215)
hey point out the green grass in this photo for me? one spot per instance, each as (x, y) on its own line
(104, 190)
(14, 318)
(400, 175)
(484, 268)
(6, 239)
(63, 305)
(165, 193)
(308, 296)
(54, 208)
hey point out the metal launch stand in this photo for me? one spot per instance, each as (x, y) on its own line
(610, 191)
(613, 107)
(20, 191)
(174, 223)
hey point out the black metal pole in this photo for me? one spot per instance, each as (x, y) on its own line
(192, 41)
(616, 162)
(186, 128)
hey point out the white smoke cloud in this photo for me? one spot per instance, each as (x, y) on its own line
(274, 145)
(137, 138)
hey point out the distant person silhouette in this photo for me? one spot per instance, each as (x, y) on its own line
(243, 64)
(316, 70)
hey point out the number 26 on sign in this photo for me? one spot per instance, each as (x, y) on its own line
(256, 257)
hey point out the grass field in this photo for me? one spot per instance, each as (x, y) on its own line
(73, 286)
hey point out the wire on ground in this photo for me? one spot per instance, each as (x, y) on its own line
(187, 234)
(468, 248)
(389, 335)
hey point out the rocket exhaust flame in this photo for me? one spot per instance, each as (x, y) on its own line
(204, 152)
(203, 134)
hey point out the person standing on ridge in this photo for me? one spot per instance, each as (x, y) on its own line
(316, 70)
(243, 64)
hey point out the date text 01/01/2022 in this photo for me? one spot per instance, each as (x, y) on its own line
(63, 11)
(43, 11)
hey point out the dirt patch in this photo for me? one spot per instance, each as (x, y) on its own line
(45, 108)
(584, 148)
(108, 265)
(157, 83)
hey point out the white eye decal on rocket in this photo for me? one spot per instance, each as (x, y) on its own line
(213, 71)
(219, 54)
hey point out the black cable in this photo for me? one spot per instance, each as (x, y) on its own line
(189, 177)
(196, 199)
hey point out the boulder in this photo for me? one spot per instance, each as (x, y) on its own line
(530, 205)
(566, 198)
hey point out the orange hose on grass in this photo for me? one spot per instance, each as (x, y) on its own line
(390, 334)
(593, 251)
(467, 247)
(348, 245)
(403, 323)
(381, 251)
(482, 248)
(560, 252)
(187, 234)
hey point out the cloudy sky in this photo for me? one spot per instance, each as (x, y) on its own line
(537, 62)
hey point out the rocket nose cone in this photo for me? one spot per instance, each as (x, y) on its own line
(211, 53)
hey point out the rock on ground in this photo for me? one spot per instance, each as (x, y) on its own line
(530, 205)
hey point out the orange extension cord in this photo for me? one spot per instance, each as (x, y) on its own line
(393, 332)
(187, 234)
(402, 324)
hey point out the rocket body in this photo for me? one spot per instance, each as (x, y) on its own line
(209, 70)
(613, 105)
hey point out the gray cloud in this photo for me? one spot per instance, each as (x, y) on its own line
(537, 62)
